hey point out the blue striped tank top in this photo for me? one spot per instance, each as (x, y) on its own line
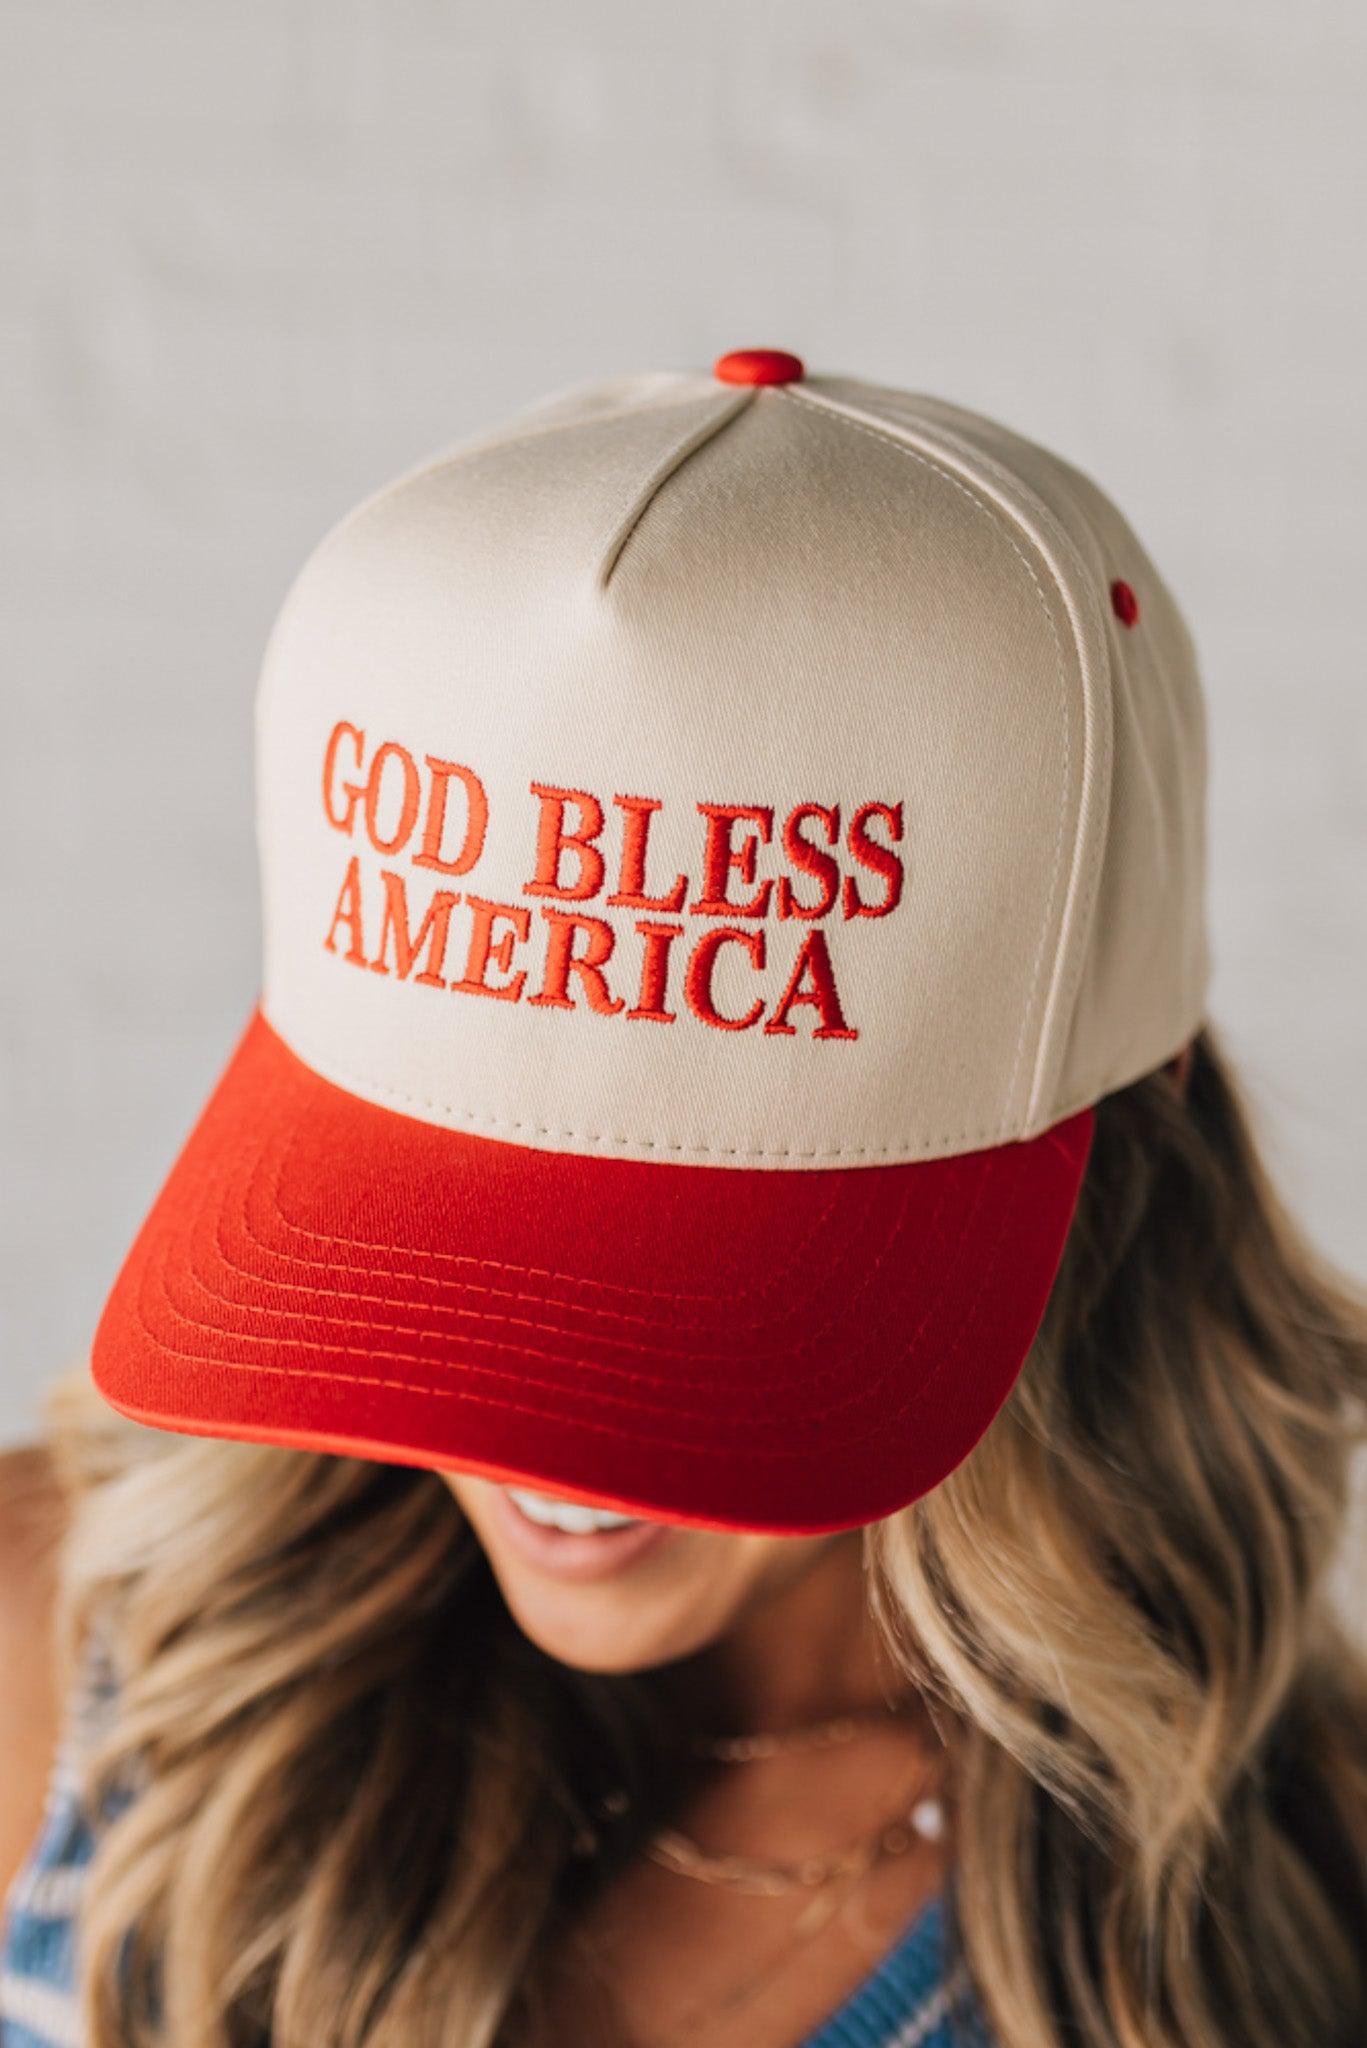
(912, 1998)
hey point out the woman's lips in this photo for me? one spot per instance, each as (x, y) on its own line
(562, 1555)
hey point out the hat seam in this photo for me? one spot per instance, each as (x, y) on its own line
(1087, 597)
(835, 409)
(608, 551)
(905, 1150)
(525, 427)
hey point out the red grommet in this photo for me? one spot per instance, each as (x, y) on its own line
(1124, 603)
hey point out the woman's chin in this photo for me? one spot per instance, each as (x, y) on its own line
(603, 1626)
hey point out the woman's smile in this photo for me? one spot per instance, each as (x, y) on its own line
(568, 1540)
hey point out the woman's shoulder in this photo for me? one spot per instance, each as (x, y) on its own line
(32, 1521)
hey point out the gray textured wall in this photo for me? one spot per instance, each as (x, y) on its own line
(258, 256)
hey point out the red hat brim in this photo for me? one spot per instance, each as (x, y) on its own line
(787, 1351)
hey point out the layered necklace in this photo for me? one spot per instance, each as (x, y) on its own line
(918, 1815)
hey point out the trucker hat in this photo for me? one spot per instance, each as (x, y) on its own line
(719, 837)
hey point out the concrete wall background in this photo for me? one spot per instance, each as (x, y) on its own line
(258, 257)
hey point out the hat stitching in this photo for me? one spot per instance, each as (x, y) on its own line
(500, 1402)
(656, 1294)
(752, 1452)
(836, 411)
(623, 1343)
(523, 1349)
(521, 1379)
(577, 1280)
(367, 1088)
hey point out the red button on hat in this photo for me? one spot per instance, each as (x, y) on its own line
(759, 366)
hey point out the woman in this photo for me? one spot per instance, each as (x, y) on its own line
(808, 1525)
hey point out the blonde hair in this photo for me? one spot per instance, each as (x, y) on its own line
(351, 1788)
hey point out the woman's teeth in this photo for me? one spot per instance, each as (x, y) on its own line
(568, 1515)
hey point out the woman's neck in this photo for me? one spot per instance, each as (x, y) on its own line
(808, 1652)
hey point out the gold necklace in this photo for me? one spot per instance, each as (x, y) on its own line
(816, 1914)
(924, 1820)
(827, 1734)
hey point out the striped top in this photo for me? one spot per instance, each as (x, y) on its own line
(912, 1998)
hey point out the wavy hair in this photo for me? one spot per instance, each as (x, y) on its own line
(342, 1791)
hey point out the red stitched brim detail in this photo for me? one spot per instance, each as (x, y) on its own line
(784, 1351)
